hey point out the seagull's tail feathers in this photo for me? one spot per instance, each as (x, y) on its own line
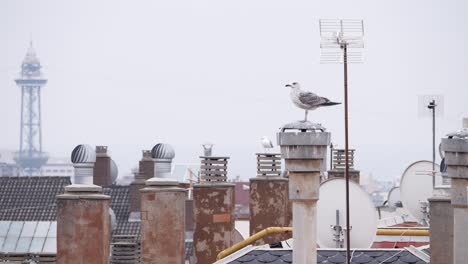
(329, 103)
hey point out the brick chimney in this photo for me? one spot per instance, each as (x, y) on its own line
(269, 200)
(102, 167)
(214, 210)
(83, 225)
(146, 165)
(162, 222)
(456, 158)
(145, 172)
(303, 153)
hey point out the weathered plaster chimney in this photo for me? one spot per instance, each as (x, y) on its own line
(214, 210)
(441, 227)
(104, 168)
(456, 158)
(162, 222)
(83, 158)
(269, 200)
(304, 151)
(83, 225)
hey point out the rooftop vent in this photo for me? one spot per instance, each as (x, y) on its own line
(268, 164)
(213, 169)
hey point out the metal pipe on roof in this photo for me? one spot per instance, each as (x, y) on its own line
(250, 240)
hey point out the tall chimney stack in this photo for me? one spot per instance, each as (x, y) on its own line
(304, 151)
(269, 200)
(83, 158)
(83, 225)
(441, 227)
(105, 170)
(163, 215)
(162, 222)
(456, 158)
(214, 210)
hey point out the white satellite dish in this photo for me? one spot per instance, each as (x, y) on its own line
(416, 188)
(363, 219)
(394, 197)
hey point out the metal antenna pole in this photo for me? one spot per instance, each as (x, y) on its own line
(342, 41)
(432, 105)
(433, 144)
(348, 231)
(331, 156)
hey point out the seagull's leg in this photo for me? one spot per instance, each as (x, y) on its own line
(306, 111)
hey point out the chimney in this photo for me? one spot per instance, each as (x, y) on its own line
(304, 151)
(146, 166)
(83, 158)
(456, 159)
(83, 225)
(162, 155)
(145, 170)
(214, 210)
(104, 168)
(162, 222)
(441, 227)
(338, 165)
(269, 199)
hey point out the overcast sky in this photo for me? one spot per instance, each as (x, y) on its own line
(130, 74)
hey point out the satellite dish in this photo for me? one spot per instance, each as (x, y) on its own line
(363, 215)
(394, 197)
(416, 188)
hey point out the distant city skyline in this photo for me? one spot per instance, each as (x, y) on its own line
(132, 74)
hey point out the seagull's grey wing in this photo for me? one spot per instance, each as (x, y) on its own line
(311, 98)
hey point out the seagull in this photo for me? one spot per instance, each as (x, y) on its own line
(307, 100)
(266, 143)
(462, 133)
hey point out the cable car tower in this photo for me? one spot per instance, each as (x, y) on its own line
(30, 156)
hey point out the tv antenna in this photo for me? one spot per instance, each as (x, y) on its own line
(342, 42)
(431, 105)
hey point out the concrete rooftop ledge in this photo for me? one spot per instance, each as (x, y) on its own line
(155, 181)
(89, 188)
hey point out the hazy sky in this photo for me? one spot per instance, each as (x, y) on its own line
(130, 74)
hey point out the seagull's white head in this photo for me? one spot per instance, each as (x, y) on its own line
(294, 85)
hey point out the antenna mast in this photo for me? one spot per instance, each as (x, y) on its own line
(342, 42)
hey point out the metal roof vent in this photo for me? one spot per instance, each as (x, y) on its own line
(162, 155)
(83, 154)
(163, 151)
(83, 158)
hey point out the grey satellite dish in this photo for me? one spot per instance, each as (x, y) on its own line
(394, 198)
(331, 215)
(114, 171)
(113, 219)
(416, 187)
